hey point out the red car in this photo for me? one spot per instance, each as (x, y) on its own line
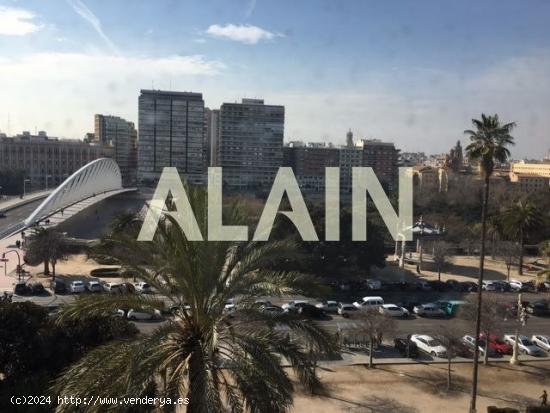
(498, 344)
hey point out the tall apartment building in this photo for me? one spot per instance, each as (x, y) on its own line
(250, 146)
(350, 157)
(308, 161)
(47, 161)
(121, 135)
(171, 133)
(383, 158)
(212, 133)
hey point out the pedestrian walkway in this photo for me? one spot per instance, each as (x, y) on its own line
(11, 203)
(7, 273)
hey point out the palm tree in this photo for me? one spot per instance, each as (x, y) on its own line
(488, 145)
(495, 230)
(519, 219)
(48, 246)
(216, 359)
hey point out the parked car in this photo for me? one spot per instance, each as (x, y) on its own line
(113, 288)
(406, 348)
(144, 314)
(515, 285)
(127, 288)
(369, 303)
(503, 286)
(94, 286)
(345, 310)
(58, 286)
(538, 308)
(230, 306)
(143, 288)
(525, 345)
(272, 309)
(429, 345)
(541, 341)
(453, 307)
(436, 285)
(37, 288)
(429, 310)
(21, 288)
(498, 344)
(409, 305)
(470, 342)
(393, 310)
(423, 286)
(491, 285)
(374, 284)
(468, 286)
(263, 303)
(311, 311)
(292, 306)
(77, 287)
(511, 309)
(328, 306)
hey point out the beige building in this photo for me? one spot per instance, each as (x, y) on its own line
(427, 179)
(530, 177)
(47, 161)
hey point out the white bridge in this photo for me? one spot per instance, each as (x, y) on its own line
(99, 179)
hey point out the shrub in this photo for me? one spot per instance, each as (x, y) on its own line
(493, 409)
(538, 409)
(105, 272)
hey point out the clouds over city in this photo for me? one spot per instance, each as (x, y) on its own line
(246, 34)
(17, 22)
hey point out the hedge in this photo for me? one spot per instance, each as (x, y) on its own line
(105, 272)
(493, 409)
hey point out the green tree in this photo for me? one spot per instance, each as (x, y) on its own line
(488, 145)
(48, 246)
(205, 353)
(519, 219)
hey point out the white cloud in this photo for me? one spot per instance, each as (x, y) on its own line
(83, 11)
(17, 22)
(60, 92)
(242, 33)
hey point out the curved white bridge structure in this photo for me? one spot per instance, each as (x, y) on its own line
(99, 177)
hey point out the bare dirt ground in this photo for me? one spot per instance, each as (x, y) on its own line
(423, 388)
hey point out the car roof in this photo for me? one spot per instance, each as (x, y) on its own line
(423, 336)
(373, 297)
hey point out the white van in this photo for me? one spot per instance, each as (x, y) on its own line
(369, 303)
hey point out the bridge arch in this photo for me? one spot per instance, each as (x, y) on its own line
(99, 176)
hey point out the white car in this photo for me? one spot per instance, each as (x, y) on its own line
(293, 305)
(393, 310)
(525, 345)
(143, 288)
(489, 285)
(542, 341)
(77, 287)
(345, 310)
(428, 310)
(144, 315)
(328, 306)
(429, 345)
(369, 303)
(112, 288)
(229, 306)
(94, 286)
(516, 285)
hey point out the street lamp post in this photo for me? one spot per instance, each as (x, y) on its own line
(18, 262)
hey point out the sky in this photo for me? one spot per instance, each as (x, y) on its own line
(414, 72)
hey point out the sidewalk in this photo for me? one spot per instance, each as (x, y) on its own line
(15, 202)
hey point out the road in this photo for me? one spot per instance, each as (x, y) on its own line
(412, 325)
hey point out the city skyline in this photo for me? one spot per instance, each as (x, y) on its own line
(412, 73)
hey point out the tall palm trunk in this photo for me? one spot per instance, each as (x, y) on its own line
(521, 244)
(479, 294)
(46, 267)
